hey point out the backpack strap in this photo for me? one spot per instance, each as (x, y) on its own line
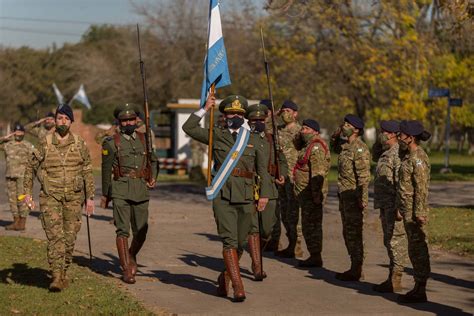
(118, 170)
(301, 163)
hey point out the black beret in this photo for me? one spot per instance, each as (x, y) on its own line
(18, 127)
(50, 114)
(66, 110)
(311, 124)
(288, 104)
(390, 126)
(267, 103)
(411, 128)
(354, 121)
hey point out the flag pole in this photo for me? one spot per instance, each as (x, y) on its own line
(211, 138)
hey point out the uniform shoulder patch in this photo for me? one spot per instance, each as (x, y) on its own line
(105, 152)
(360, 150)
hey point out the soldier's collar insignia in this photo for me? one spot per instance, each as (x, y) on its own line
(250, 146)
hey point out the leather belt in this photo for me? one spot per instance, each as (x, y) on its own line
(243, 173)
(132, 174)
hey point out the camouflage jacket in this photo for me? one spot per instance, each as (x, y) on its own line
(353, 167)
(64, 168)
(414, 178)
(289, 138)
(386, 178)
(17, 155)
(312, 175)
(38, 131)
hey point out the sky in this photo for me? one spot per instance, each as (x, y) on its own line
(40, 23)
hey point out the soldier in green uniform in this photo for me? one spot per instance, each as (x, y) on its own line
(412, 202)
(353, 190)
(124, 174)
(42, 127)
(385, 192)
(288, 205)
(239, 157)
(63, 167)
(311, 187)
(257, 115)
(17, 153)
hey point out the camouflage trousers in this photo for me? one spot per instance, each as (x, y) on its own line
(14, 189)
(352, 225)
(417, 247)
(394, 239)
(268, 220)
(312, 222)
(289, 210)
(61, 222)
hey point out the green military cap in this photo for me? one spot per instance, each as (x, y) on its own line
(234, 104)
(127, 112)
(257, 111)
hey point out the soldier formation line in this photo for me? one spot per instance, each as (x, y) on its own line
(254, 188)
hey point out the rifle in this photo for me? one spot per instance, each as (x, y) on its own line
(276, 145)
(148, 140)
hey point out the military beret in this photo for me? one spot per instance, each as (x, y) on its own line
(256, 111)
(288, 104)
(127, 112)
(18, 127)
(233, 104)
(311, 124)
(267, 103)
(354, 121)
(66, 110)
(411, 128)
(390, 126)
(49, 114)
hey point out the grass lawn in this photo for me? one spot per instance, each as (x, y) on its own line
(452, 228)
(24, 285)
(462, 166)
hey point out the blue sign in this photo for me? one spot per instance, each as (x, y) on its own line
(455, 102)
(438, 93)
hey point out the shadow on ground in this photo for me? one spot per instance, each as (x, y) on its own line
(22, 274)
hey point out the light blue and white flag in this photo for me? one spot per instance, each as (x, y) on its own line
(216, 69)
(58, 94)
(81, 97)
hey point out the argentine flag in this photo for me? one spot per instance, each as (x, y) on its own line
(216, 69)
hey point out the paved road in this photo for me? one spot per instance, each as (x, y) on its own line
(182, 257)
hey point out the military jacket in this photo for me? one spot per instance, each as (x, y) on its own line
(289, 141)
(353, 167)
(132, 157)
(17, 155)
(314, 173)
(38, 131)
(414, 181)
(386, 178)
(253, 159)
(64, 169)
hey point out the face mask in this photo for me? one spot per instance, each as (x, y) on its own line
(62, 130)
(307, 137)
(287, 117)
(48, 126)
(128, 129)
(19, 138)
(235, 122)
(258, 126)
(347, 131)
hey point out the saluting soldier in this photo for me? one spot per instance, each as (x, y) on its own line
(353, 190)
(42, 127)
(63, 166)
(125, 177)
(311, 187)
(385, 193)
(257, 115)
(238, 158)
(17, 153)
(412, 201)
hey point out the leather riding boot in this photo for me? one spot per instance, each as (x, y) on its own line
(231, 260)
(14, 225)
(255, 254)
(314, 261)
(417, 295)
(288, 252)
(137, 244)
(223, 282)
(124, 257)
(56, 285)
(353, 274)
(21, 224)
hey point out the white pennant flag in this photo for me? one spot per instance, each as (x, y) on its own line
(59, 96)
(82, 97)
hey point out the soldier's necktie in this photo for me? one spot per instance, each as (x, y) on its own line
(234, 135)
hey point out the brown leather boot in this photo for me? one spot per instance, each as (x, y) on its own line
(57, 284)
(353, 274)
(137, 244)
(231, 260)
(255, 254)
(417, 295)
(223, 282)
(21, 224)
(124, 256)
(14, 225)
(314, 261)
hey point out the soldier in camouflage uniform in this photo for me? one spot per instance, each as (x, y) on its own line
(17, 153)
(287, 203)
(412, 201)
(64, 168)
(353, 190)
(124, 177)
(234, 203)
(257, 115)
(385, 192)
(42, 127)
(311, 187)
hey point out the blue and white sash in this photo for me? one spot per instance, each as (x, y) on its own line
(229, 163)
